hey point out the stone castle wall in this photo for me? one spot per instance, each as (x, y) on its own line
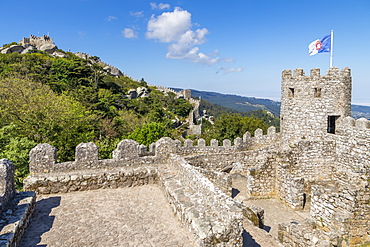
(16, 208)
(306, 166)
(211, 215)
(36, 41)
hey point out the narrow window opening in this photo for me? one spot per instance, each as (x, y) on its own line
(304, 200)
(317, 92)
(291, 92)
(331, 124)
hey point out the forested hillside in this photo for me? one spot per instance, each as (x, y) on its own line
(239, 103)
(67, 100)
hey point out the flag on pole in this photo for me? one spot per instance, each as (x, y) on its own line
(320, 45)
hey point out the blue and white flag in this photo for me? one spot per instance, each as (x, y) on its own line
(319, 45)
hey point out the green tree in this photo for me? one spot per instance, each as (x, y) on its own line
(230, 126)
(148, 133)
(16, 149)
(44, 116)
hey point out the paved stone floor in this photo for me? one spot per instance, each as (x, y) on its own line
(138, 216)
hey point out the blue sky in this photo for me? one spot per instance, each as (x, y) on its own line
(235, 47)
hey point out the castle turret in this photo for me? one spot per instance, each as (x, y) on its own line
(311, 105)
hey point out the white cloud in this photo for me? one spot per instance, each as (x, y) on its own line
(228, 70)
(169, 26)
(160, 6)
(111, 18)
(129, 33)
(175, 28)
(137, 14)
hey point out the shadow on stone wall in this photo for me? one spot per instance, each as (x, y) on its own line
(248, 240)
(41, 221)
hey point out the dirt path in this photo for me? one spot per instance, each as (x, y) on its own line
(138, 216)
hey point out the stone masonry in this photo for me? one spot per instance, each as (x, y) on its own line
(319, 162)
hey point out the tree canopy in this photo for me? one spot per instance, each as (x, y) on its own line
(67, 100)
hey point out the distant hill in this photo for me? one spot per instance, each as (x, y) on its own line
(246, 104)
(236, 102)
(359, 111)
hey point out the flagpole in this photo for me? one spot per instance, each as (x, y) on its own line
(331, 47)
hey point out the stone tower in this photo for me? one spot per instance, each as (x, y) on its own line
(311, 105)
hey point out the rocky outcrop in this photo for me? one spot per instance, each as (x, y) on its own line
(43, 43)
(140, 92)
(108, 68)
(49, 48)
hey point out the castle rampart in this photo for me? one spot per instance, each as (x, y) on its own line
(319, 162)
(15, 208)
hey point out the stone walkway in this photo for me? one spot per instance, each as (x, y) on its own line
(138, 216)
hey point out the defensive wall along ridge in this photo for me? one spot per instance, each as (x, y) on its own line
(319, 162)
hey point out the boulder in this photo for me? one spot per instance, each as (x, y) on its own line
(29, 48)
(132, 94)
(5, 51)
(49, 48)
(16, 48)
(142, 92)
(59, 54)
(112, 70)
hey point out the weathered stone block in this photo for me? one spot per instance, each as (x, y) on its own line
(87, 152)
(201, 143)
(42, 158)
(226, 143)
(246, 137)
(188, 143)
(315, 73)
(165, 146)
(7, 190)
(214, 143)
(238, 141)
(298, 72)
(258, 133)
(362, 123)
(126, 149)
(271, 131)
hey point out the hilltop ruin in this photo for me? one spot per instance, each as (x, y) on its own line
(319, 162)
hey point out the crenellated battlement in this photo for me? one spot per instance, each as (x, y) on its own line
(43, 157)
(319, 162)
(36, 41)
(299, 73)
(354, 128)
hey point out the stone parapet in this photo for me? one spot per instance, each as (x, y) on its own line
(15, 220)
(7, 190)
(15, 208)
(191, 147)
(354, 128)
(128, 153)
(91, 179)
(214, 218)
